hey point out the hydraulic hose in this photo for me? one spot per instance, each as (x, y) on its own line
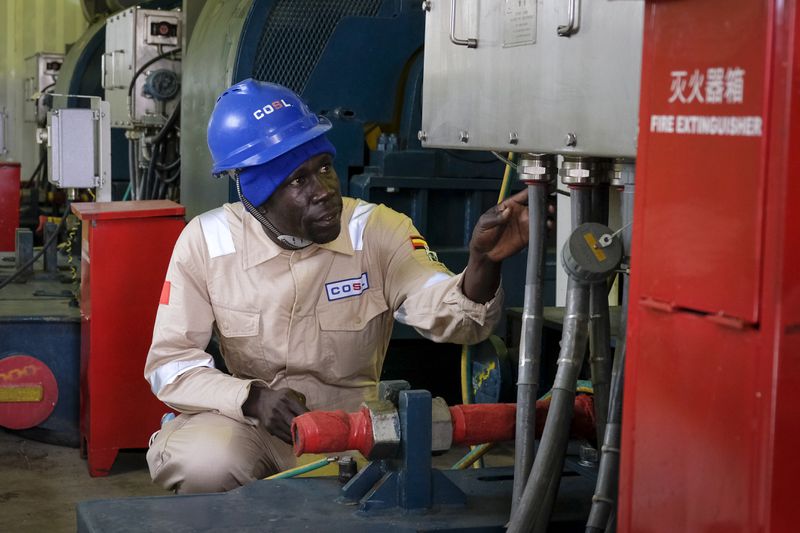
(604, 499)
(530, 349)
(535, 506)
(602, 514)
(600, 326)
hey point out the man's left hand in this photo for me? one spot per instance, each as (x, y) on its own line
(502, 231)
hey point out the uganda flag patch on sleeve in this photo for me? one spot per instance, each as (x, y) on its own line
(418, 243)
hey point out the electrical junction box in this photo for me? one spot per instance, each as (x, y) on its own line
(41, 73)
(79, 149)
(532, 76)
(142, 95)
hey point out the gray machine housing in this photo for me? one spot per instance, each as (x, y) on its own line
(132, 39)
(536, 80)
(79, 148)
(41, 73)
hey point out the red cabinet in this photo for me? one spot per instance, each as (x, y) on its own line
(125, 252)
(9, 204)
(711, 417)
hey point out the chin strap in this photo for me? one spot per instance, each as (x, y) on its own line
(291, 242)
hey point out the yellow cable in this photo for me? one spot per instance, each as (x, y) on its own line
(466, 360)
(506, 180)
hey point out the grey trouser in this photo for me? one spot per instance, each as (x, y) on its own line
(207, 452)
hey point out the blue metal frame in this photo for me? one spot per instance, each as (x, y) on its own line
(408, 482)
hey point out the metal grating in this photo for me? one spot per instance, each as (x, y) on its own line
(296, 33)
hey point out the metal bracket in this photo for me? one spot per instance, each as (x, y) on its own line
(469, 42)
(409, 482)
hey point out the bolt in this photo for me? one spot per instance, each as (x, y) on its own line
(422, 135)
(464, 136)
(570, 139)
(426, 5)
(513, 138)
(605, 240)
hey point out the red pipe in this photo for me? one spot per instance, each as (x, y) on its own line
(337, 431)
(483, 422)
(332, 431)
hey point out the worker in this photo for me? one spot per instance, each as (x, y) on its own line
(301, 287)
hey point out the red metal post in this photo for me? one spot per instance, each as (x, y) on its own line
(710, 422)
(126, 248)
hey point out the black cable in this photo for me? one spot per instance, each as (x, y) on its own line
(35, 172)
(49, 242)
(455, 155)
(150, 177)
(173, 178)
(564, 193)
(147, 64)
(173, 117)
(170, 166)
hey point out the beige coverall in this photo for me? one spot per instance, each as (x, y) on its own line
(316, 320)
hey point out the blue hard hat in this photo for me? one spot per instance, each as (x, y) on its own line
(254, 122)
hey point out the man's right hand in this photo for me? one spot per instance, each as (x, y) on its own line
(275, 409)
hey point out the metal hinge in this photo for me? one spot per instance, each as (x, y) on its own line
(657, 305)
(719, 318)
(726, 320)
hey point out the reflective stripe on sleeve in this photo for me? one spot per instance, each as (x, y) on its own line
(217, 233)
(436, 278)
(169, 372)
(357, 223)
(401, 313)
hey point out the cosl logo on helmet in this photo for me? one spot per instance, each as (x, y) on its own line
(270, 108)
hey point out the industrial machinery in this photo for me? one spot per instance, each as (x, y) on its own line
(39, 313)
(41, 74)
(141, 77)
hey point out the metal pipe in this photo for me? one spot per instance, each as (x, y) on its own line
(538, 497)
(600, 327)
(538, 172)
(601, 516)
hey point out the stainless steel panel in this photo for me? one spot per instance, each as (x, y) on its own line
(208, 71)
(129, 46)
(526, 88)
(72, 154)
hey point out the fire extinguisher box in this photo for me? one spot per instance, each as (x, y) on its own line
(126, 247)
(9, 204)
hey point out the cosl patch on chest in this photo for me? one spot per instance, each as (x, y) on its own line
(336, 290)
